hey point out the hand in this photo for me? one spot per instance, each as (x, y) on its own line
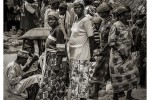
(124, 57)
(92, 60)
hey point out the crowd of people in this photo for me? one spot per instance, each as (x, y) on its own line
(90, 42)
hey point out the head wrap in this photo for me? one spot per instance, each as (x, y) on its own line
(55, 14)
(79, 2)
(23, 54)
(97, 20)
(63, 5)
(54, 1)
(96, 1)
(104, 7)
(119, 10)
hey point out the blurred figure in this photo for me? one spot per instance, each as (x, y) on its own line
(64, 19)
(5, 15)
(30, 14)
(45, 6)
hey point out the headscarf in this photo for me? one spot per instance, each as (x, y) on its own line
(55, 14)
(119, 10)
(54, 1)
(23, 54)
(63, 5)
(79, 2)
(104, 7)
(97, 20)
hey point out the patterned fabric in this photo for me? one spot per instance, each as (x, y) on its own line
(97, 37)
(53, 86)
(79, 82)
(104, 31)
(14, 76)
(124, 72)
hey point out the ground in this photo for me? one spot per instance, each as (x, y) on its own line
(139, 93)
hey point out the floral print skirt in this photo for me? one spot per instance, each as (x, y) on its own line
(79, 80)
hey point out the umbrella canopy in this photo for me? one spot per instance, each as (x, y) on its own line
(36, 33)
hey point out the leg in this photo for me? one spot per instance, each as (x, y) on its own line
(25, 83)
(129, 97)
(115, 97)
(32, 91)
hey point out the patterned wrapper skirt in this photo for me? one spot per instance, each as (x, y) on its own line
(97, 76)
(124, 76)
(53, 86)
(79, 80)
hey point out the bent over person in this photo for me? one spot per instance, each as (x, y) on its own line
(17, 83)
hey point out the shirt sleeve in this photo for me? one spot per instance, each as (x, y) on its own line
(88, 27)
(112, 35)
(29, 7)
(12, 76)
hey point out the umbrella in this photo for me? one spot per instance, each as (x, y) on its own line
(36, 33)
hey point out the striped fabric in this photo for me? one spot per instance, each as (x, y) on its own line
(97, 37)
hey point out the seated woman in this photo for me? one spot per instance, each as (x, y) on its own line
(53, 82)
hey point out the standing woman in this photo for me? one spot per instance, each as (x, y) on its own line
(80, 51)
(53, 82)
(122, 65)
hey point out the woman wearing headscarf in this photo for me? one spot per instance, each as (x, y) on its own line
(54, 8)
(80, 51)
(53, 82)
(122, 63)
(30, 14)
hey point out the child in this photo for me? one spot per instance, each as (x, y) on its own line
(96, 25)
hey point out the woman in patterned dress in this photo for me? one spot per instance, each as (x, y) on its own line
(53, 82)
(80, 43)
(122, 65)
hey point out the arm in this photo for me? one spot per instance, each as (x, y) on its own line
(60, 45)
(112, 42)
(35, 58)
(89, 30)
(12, 76)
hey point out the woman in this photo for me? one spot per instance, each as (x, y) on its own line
(54, 8)
(122, 65)
(80, 50)
(53, 82)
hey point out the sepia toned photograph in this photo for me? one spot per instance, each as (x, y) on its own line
(74, 49)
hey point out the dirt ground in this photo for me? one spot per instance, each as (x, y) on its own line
(139, 93)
